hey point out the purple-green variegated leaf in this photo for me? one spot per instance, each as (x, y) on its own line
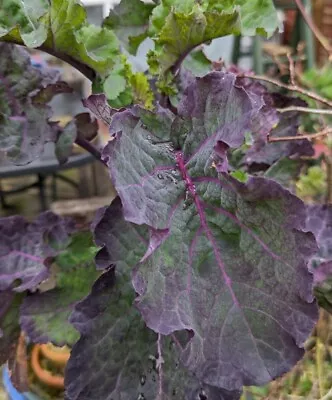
(118, 358)
(98, 105)
(44, 316)
(25, 248)
(24, 114)
(225, 260)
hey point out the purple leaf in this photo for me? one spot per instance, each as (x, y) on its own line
(98, 105)
(116, 237)
(319, 221)
(323, 272)
(267, 118)
(117, 357)
(44, 316)
(24, 122)
(25, 248)
(263, 152)
(217, 106)
(46, 94)
(226, 261)
(87, 126)
(83, 126)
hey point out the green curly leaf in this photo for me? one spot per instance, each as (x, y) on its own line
(178, 26)
(62, 29)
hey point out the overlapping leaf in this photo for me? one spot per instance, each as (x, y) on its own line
(117, 357)
(271, 123)
(26, 247)
(319, 221)
(97, 104)
(116, 237)
(24, 94)
(226, 260)
(129, 20)
(82, 126)
(61, 29)
(45, 316)
(178, 26)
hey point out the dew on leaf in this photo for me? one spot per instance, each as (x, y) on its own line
(160, 176)
(143, 380)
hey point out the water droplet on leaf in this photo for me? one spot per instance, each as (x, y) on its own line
(143, 380)
(160, 176)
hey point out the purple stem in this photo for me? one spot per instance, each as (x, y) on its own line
(88, 146)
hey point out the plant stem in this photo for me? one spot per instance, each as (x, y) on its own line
(308, 136)
(291, 88)
(83, 68)
(320, 369)
(314, 29)
(305, 110)
(88, 146)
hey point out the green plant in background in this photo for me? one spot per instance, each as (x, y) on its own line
(312, 185)
(319, 79)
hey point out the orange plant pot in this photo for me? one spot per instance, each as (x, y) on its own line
(45, 376)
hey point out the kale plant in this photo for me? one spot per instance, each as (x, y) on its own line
(198, 278)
